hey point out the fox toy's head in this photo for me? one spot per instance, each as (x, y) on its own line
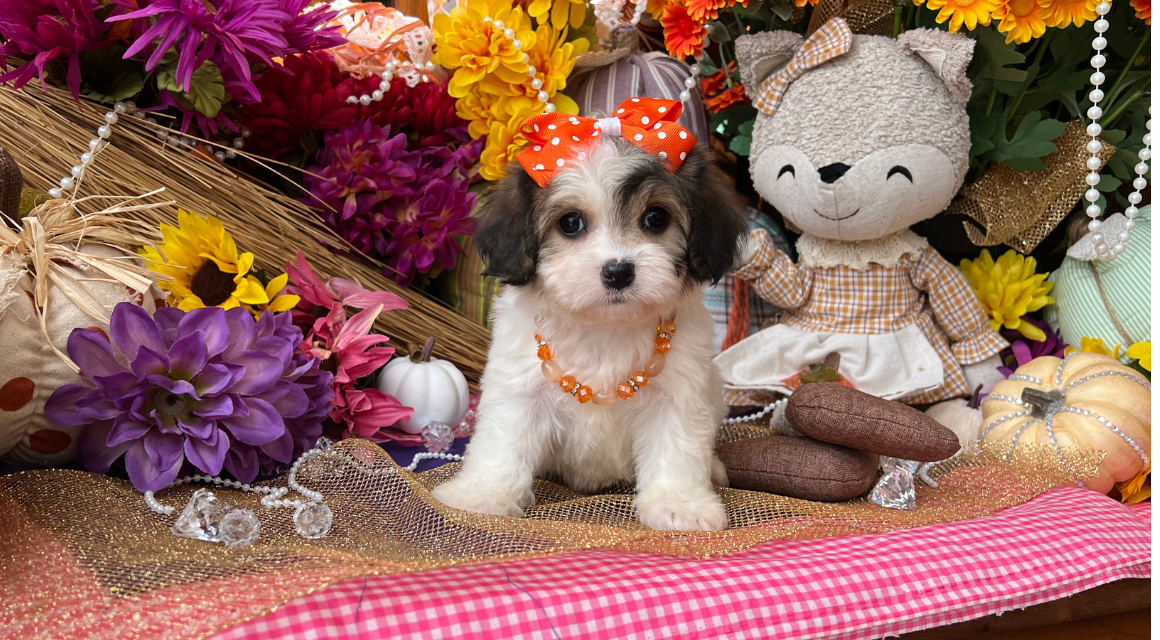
(866, 143)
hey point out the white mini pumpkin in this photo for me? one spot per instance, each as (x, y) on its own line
(434, 388)
(1085, 400)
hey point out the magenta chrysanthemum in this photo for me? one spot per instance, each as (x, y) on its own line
(363, 174)
(422, 237)
(48, 32)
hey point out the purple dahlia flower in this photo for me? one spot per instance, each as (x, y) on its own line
(181, 387)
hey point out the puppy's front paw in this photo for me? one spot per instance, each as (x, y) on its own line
(461, 495)
(718, 473)
(681, 510)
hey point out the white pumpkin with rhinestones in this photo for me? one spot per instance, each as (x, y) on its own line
(1105, 406)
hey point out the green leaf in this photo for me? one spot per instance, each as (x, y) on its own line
(783, 11)
(740, 145)
(1033, 139)
(126, 84)
(206, 91)
(718, 32)
(994, 58)
(982, 130)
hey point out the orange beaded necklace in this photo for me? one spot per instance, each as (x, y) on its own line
(626, 389)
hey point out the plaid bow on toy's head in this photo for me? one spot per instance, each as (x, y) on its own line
(831, 40)
(648, 123)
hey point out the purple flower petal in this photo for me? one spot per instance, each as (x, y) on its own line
(145, 473)
(197, 427)
(188, 355)
(150, 363)
(162, 448)
(281, 449)
(243, 332)
(94, 454)
(167, 320)
(242, 462)
(96, 407)
(261, 425)
(117, 385)
(262, 371)
(211, 321)
(216, 407)
(131, 328)
(208, 454)
(215, 378)
(126, 429)
(61, 407)
(92, 353)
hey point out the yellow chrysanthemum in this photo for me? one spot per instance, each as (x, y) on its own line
(554, 59)
(963, 12)
(1061, 13)
(1009, 289)
(473, 47)
(504, 141)
(564, 12)
(1021, 20)
(1141, 351)
(204, 266)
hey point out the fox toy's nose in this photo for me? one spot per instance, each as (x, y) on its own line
(617, 274)
(831, 172)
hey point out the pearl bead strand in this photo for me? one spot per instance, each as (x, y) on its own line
(384, 86)
(104, 132)
(1109, 248)
(537, 83)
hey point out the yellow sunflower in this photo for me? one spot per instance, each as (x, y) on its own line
(204, 266)
(1061, 13)
(963, 12)
(1021, 20)
(278, 301)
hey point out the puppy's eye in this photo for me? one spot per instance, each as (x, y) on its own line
(654, 219)
(571, 224)
(901, 170)
(787, 169)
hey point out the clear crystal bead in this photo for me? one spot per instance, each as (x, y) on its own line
(323, 443)
(312, 519)
(895, 489)
(239, 528)
(466, 426)
(201, 519)
(438, 436)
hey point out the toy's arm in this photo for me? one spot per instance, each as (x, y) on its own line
(957, 310)
(773, 275)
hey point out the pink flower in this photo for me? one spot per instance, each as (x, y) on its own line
(366, 411)
(332, 294)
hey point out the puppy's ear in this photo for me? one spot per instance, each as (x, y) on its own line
(716, 221)
(506, 236)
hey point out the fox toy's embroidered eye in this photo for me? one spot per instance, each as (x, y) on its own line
(900, 170)
(787, 169)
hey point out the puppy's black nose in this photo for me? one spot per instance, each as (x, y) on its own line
(831, 172)
(617, 274)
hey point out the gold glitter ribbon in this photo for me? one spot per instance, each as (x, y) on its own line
(870, 17)
(82, 555)
(1020, 208)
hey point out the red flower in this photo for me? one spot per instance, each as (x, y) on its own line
(434, 110)
(704, 10)
(683, 35)
(726, 99)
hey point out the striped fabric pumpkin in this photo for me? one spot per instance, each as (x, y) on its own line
(599, 89)
(1080, 310)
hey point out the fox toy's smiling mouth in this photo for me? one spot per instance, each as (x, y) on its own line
(839, 217)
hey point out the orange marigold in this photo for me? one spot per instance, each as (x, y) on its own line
(1143, 10)
(726, 99)
(683, 35)
(704, 10)
(802, 3)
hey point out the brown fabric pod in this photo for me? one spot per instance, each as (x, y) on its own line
(847, 417)
(11, 184)
(799, 468)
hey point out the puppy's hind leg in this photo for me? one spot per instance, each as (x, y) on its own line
(499, 466)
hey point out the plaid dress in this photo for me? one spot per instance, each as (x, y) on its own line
(920, 290)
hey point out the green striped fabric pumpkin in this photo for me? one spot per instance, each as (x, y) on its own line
(1079, 310)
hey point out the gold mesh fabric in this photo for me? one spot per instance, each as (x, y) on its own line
(82, 555)
(868, 17)
(1020, 208)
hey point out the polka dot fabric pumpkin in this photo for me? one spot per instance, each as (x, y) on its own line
(1086, 400)
(30, 370)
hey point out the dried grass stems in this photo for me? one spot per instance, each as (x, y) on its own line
(46, 131)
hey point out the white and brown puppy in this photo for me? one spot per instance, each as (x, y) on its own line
(613, 244)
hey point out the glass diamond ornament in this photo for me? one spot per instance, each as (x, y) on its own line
(201, 518)
(895, 489)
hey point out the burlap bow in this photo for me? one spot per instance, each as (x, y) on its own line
(830, 41)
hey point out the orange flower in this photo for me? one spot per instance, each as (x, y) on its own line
(1063, 13)
(1143, 10)
(1021, 20)
(683, 35)
(725, 100)
(704, 10)
(802, 3)
(713, 84)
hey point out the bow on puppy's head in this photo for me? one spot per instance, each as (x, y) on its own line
(611, 217)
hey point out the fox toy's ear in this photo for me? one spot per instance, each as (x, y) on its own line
(507, 237)
(761, 54)
(947, 53)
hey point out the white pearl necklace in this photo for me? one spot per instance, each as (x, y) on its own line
(104, 132)
(1109, 248)
(273, 498)
(757, 415)
(537, 83)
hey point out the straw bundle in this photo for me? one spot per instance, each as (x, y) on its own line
(47, 131)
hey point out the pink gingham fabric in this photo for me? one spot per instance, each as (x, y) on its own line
(1063, 542)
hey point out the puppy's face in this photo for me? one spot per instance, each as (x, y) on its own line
(615, 237)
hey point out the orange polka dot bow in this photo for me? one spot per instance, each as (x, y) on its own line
(557, 138)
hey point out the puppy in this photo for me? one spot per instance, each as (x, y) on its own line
(614, 244)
